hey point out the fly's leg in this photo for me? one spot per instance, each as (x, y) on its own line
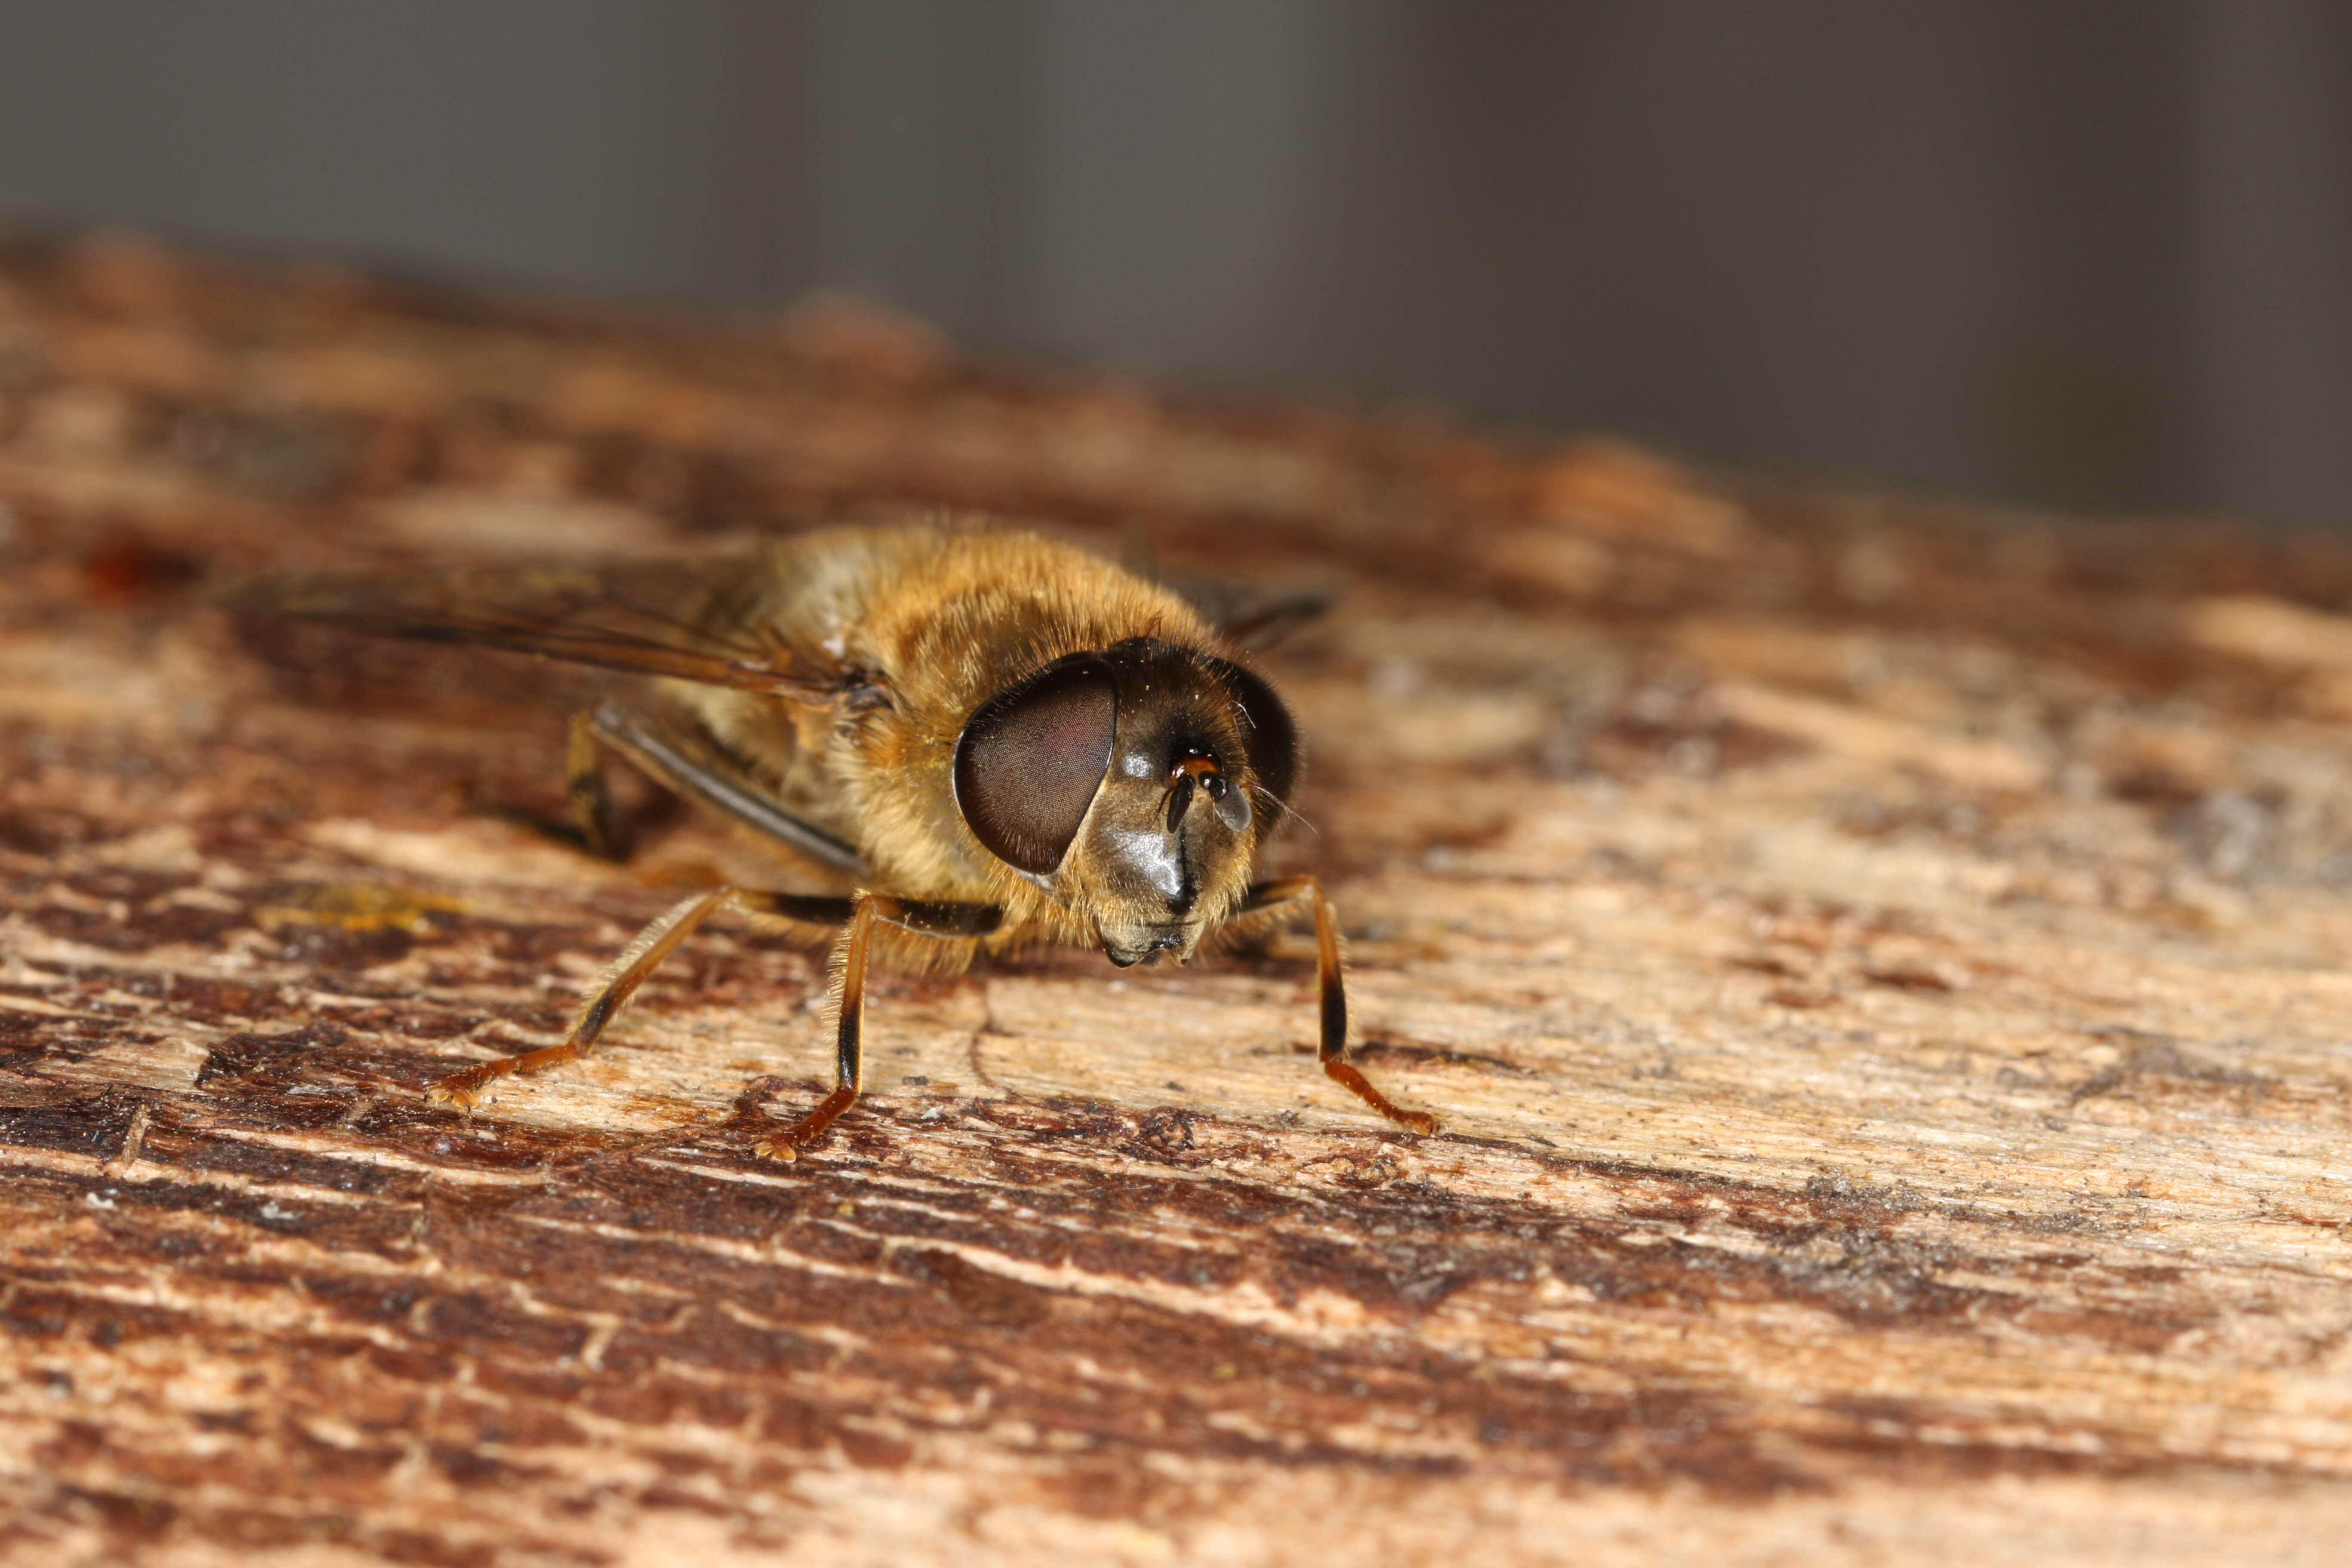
(602, 829)
(945, 921)
(591, 820)
(801, 908)
(1332, 1048)
(722, 789)
(638, 960)
(848, 1039)
(932, 918)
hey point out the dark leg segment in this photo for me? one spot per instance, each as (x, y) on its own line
(928, 917)
(1331, 1049)
(849, 1041)
(638, 960)
(655, 755)
(938, 918)
(802, 909)
(941, 918)
(588, 795)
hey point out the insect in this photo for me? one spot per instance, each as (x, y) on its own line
(985, 738)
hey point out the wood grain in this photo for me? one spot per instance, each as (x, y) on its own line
(1882, 966)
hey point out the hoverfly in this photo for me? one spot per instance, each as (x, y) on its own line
(989, 739)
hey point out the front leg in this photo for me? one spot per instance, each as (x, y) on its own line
(940, 919)
(1332, 1050)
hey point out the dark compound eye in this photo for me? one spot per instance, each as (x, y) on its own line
(1267, 734)
(1030, 759)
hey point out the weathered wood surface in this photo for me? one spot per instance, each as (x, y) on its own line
(1885, 969)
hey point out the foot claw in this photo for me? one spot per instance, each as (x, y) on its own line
(775, 1149)
(462, 1089)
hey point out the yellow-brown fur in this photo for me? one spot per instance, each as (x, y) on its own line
(940, 618)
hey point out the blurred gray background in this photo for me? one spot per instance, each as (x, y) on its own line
(2090, 254)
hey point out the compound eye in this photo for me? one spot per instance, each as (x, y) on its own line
(1031, 758)
(1267, 734)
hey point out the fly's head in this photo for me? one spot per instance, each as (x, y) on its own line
(1134, 783)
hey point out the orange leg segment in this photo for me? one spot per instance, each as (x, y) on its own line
(638, 960)
(848, 1039)
(1332, 1048)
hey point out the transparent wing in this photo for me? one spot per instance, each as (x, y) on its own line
(694, 620)
(1253, 619)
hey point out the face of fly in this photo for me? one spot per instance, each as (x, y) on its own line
(1135, 783)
